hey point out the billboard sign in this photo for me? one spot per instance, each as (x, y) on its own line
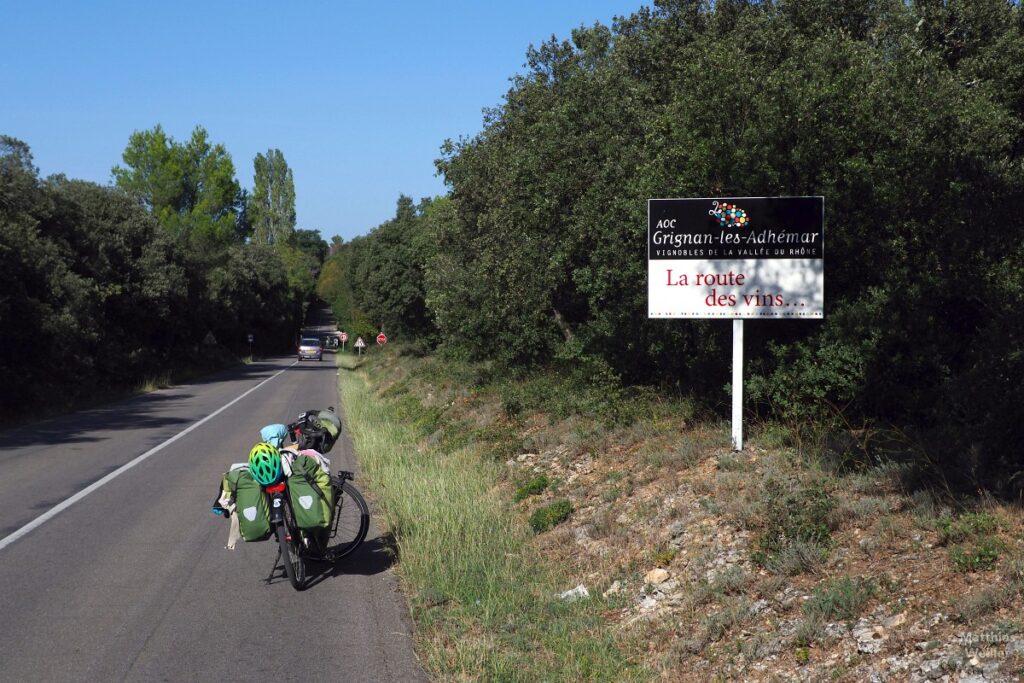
(736, 257)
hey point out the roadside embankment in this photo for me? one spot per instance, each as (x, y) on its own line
(483, 596)
(548, 534)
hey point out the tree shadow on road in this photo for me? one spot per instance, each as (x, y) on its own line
(145, 411)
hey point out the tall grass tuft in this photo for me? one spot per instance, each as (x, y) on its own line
(485, 606)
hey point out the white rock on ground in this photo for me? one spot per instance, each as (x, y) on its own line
(577, 593)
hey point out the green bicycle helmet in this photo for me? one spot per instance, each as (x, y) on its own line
(265, 463)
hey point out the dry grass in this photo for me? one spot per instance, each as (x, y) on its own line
(668, 492)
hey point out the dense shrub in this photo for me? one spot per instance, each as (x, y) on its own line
(548, 516)
(99, 294)
(906, 117)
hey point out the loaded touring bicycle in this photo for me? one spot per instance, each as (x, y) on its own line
(289, 494)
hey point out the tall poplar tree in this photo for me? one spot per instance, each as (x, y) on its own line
(272, 207)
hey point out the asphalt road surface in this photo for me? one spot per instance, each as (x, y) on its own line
(132, 582)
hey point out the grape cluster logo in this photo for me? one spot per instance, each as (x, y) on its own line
(729, 215)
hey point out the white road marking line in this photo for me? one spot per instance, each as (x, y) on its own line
(60, 507)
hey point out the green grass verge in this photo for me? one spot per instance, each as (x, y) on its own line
(485, 606)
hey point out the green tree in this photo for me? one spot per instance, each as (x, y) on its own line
(310, 243)
(335, 287)
(250, 292)
(272, 208)
(95, 292)
(907, 117)
(387, 271)
(190, 188)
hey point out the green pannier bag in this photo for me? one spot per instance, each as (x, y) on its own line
(309, 489)
(251, 505)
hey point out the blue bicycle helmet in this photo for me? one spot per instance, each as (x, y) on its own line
(274, 435)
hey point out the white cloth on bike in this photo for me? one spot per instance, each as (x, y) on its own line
(233, 533)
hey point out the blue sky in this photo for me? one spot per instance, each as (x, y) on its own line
(358, 96)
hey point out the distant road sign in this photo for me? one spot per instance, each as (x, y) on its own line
(343, 336)
(250, 339)
(360, 344)
(382, 339)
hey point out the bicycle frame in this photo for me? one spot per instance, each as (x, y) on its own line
(289, 539)
(277, 501)
(310, 544)
(297, 546)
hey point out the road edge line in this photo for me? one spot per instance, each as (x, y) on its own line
(64, 505)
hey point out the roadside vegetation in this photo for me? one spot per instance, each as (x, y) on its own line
(546, 533)
(484, 597)
(908, 117)
(110, 289)
(870, 529)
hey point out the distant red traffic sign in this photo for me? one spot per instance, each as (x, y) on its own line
(343, 336)
(382, 339)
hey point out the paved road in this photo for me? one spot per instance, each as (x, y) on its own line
(133, 583)
(319, 320)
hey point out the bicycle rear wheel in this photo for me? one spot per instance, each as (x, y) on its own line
(351, 520)
(290, 544)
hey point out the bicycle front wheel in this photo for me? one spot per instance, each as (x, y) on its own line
(351, 520)
(290, 544)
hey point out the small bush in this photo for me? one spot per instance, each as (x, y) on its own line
(966, 526)
(794, 517)
(663, 558)
(512, 406)
(502, 441)
(732, 581)
(733, 613)
(548, 516)
(842, 599)
(733, 463)
(979, 556)
(795, 557)
(531, 488)
(984, 602)
(611, 495)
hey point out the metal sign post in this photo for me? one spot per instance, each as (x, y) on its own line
(737, 384)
